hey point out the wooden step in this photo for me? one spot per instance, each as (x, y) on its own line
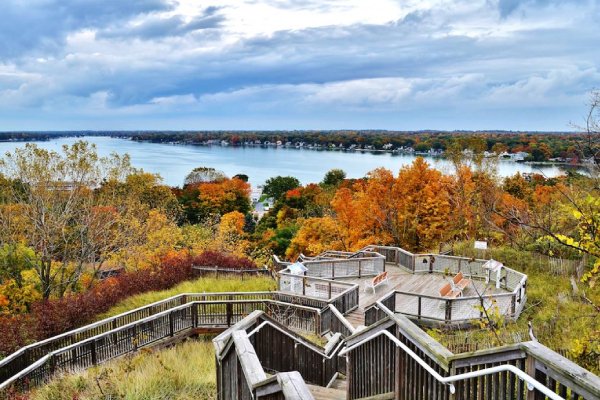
(321, 393)
(341, 383)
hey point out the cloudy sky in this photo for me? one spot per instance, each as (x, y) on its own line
(297, 64)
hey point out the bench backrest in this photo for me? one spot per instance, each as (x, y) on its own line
(379, 278)
(458, 278)
(445, 290)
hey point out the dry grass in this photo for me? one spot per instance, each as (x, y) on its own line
(185, 371)
(207, 284)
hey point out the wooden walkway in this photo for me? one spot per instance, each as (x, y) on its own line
(401, 280)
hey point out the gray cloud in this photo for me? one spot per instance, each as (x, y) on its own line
(430, 63)
(160, 27)
(41, 25)
(507, 7)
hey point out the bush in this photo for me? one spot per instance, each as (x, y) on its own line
(218, 259)
(52, 317)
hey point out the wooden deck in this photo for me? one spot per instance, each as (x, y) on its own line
(401, 280)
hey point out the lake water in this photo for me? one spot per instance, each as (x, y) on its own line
(174, 162)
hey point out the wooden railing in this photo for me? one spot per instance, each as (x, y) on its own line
(203, 271)
(289, 308)
(459, 311)
(243, 377)
(357, 267)
(344, 296)
(128, 338)
(519, 372)
(282, 350)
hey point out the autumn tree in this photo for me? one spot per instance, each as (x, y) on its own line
(51, 208)
(203, 175)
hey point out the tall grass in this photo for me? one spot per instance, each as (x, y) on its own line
(202, 285)
(185, 371)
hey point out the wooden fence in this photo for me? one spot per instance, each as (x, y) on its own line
(298, 312)
(204, 271)
(280, 350)
(240, 375)
(492, 373)
(214, 314)
(344, 296)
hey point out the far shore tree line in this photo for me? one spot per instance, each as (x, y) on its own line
(540, 146)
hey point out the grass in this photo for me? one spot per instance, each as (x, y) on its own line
(206, 284)
(185, 371)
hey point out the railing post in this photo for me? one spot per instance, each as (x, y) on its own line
(513, 305)
(530, 365)
(448, 311)
(229, 308)
(52, 364)
(171, 325)
(194, 315)
(359, 268)
(329, 291)
(93, 351)
(304, 284)
(332, 270)
(135, 341)
(318, 329)
(419, 308)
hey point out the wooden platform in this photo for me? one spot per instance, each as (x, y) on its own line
(401, 280)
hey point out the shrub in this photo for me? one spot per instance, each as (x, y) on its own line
(52, 317)
(215, 258)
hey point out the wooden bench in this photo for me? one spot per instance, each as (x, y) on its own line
(459, 282)
(447, 292)
(455, 287)
(378, 280)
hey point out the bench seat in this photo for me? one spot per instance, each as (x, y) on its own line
(447, 292)
(378, 280)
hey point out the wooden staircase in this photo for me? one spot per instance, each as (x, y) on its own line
(337, 391)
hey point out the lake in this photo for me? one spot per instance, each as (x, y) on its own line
(174, 162)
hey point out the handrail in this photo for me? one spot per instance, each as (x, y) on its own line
(531, 382)
(297, 341)
(342, 319)
(115, 317)
(45, 358)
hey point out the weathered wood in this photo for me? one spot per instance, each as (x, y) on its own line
(248, 359)
(293, 386)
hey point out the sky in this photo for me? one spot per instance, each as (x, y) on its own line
(297, 64)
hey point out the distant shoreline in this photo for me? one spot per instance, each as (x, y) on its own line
(46, 137)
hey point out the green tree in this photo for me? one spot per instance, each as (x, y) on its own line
(334, 177)
(249, 223)
(279, 185)
(242, 177)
